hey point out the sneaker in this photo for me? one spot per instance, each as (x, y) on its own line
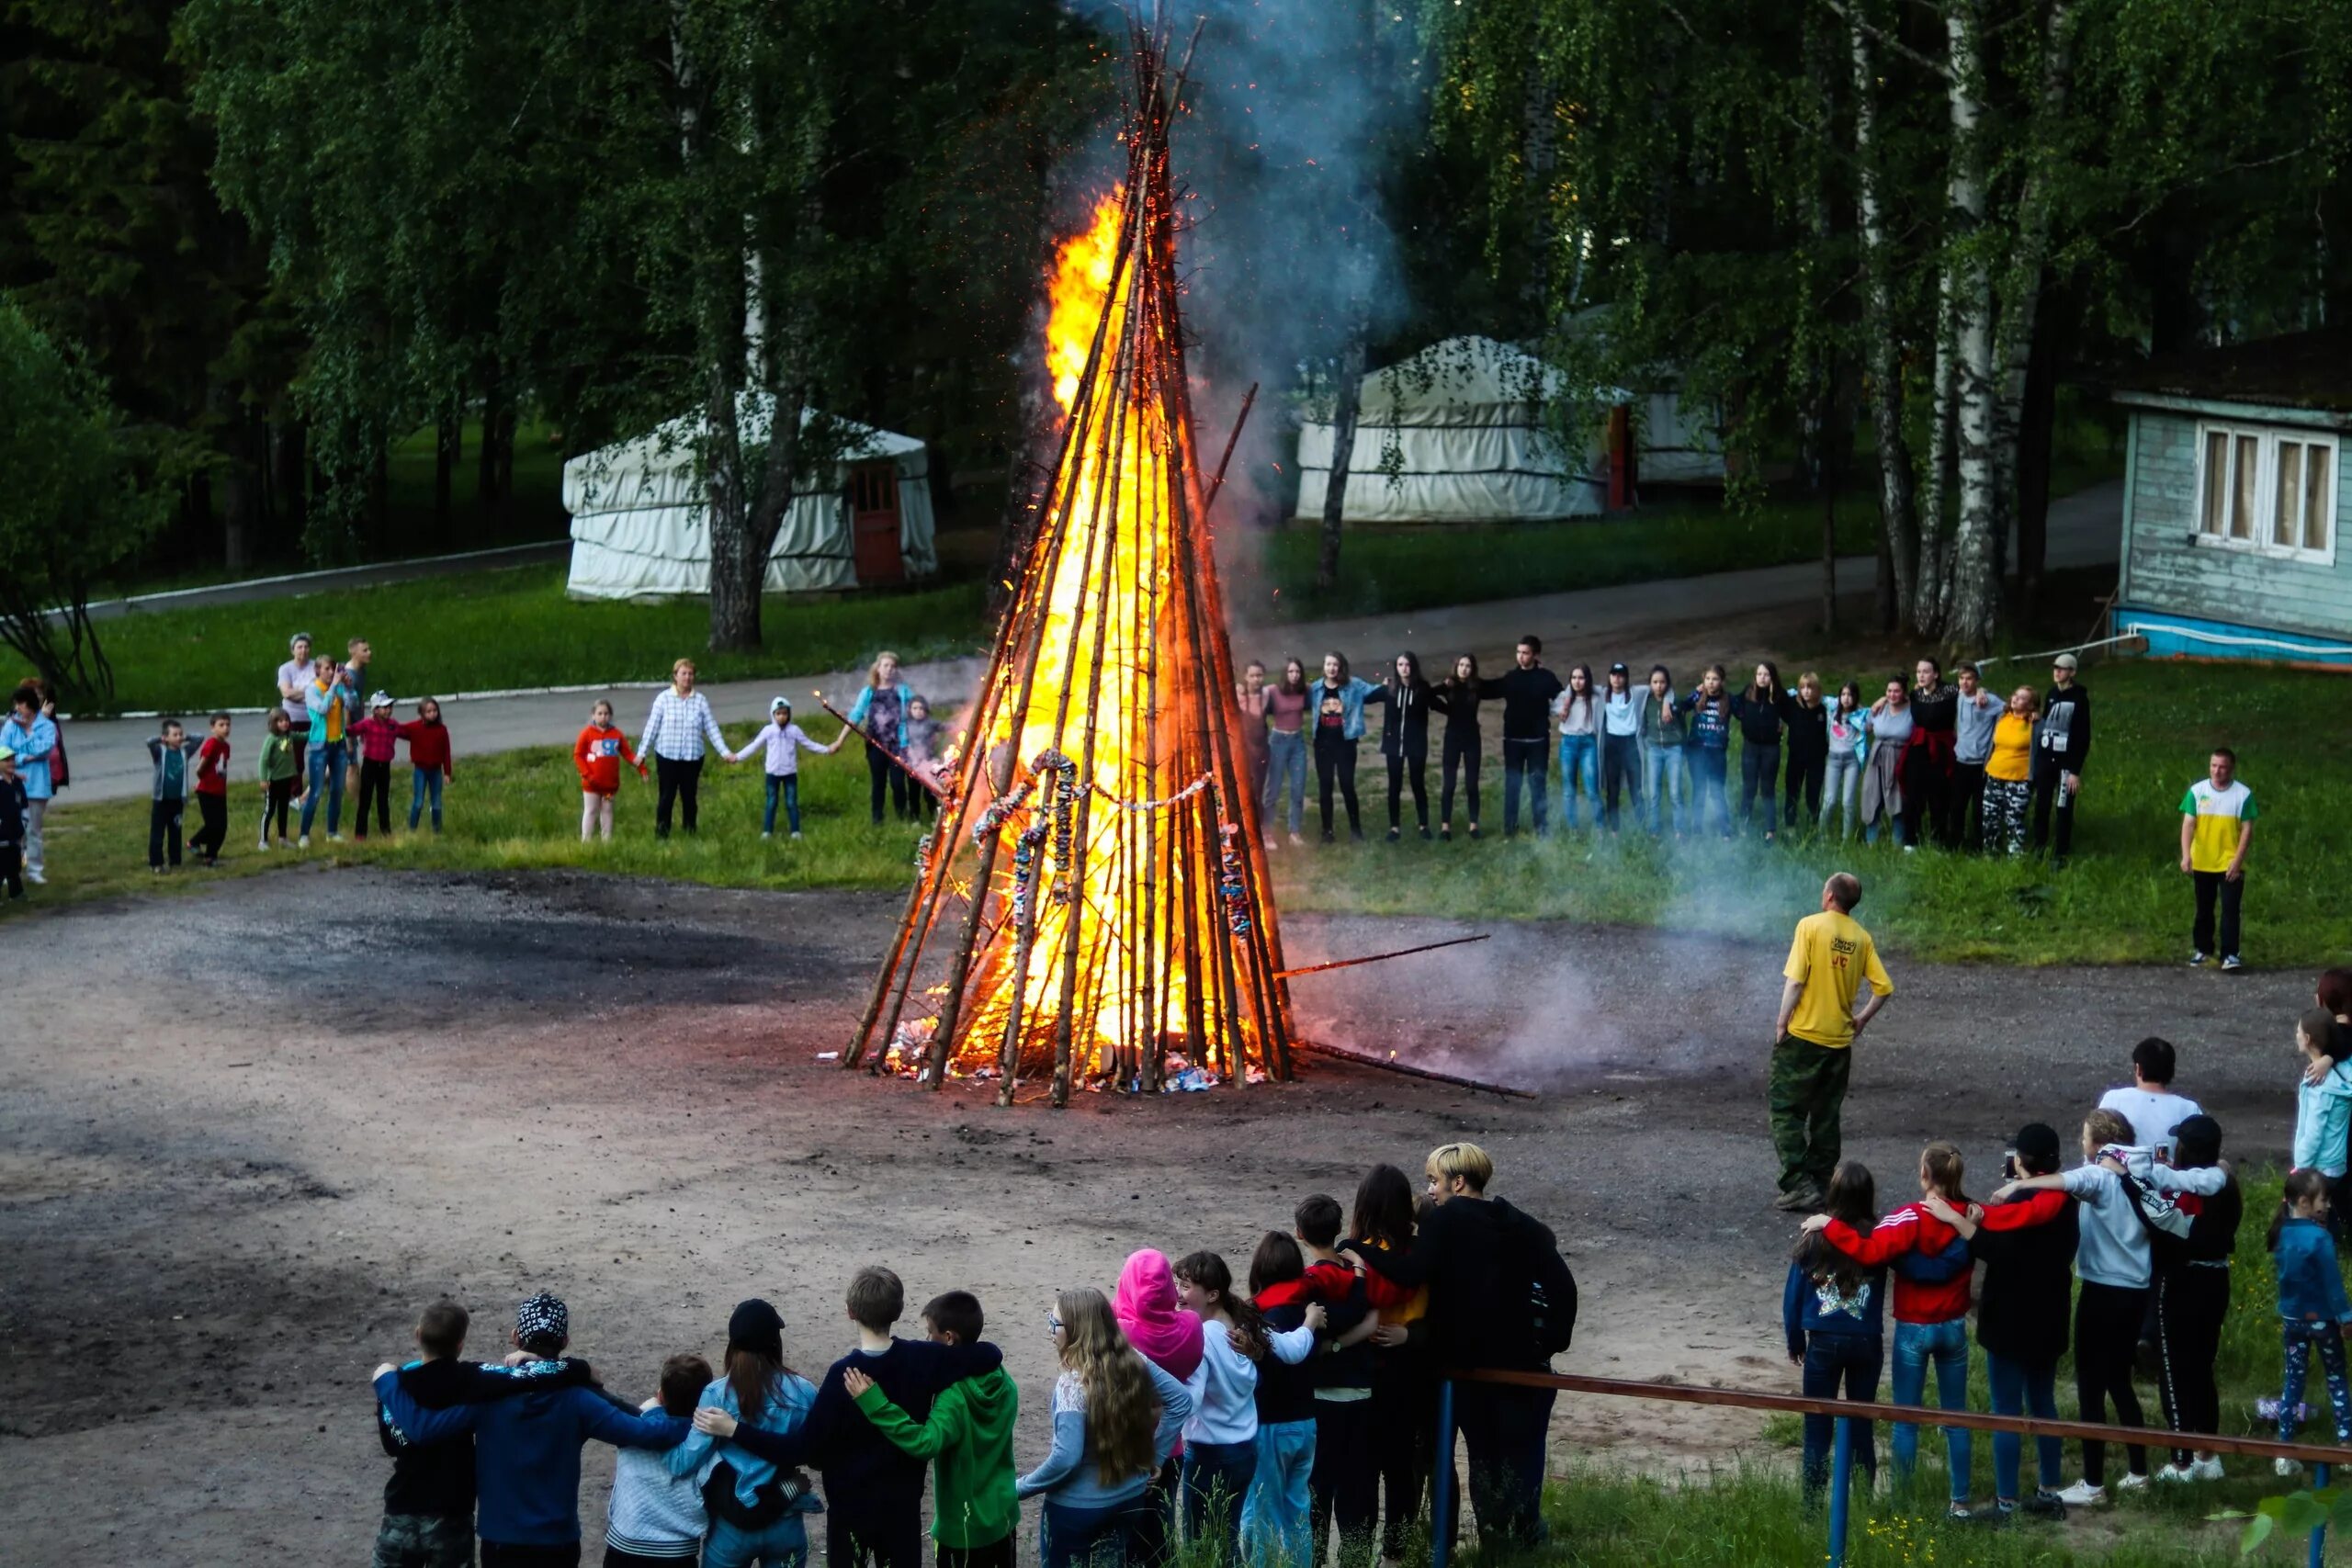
(1445, 834)
(2045, 1505)
(156, 868)
(1474, 830)
(1297, 841)
(2131, 1480)
(1328, 837)
(334, 838)
(2232, 964)
(2083, 1495)
(1425, 835)
(264, 844)
(1959, 1511)
(796, 838)
(2175, 1473)
(303, 842)
(1394, 835)
(2196, 960)
(2286, 1467)
(764, 837)
(2208, 1468)
(1355, 835)
(37, 877)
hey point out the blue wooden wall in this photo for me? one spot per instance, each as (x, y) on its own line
(2164, 570)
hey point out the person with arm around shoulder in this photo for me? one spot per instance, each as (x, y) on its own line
(2216, 830)
(1830, 960)
(2114, 1264)
(1115, 1418)
(2062, 745)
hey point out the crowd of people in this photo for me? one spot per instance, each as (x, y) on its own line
(1262, 1419)
(1923, 760)
(2129, 1250)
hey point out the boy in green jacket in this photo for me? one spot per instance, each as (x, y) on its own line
(968, 1434)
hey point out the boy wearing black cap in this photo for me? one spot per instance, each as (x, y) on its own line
(532, 1423)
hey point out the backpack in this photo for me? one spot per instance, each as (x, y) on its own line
(1535, 1272)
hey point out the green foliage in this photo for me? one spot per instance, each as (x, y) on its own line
(497, 630)
(82, 491)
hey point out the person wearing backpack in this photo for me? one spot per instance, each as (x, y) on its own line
(1500, 1297)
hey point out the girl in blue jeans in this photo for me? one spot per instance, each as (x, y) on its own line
(1276, 1518)
(1834, 1312)
(1106, 1448)
(1221, 1438)
(1931, 1316)
(756, 1390)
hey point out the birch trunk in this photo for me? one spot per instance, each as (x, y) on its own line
(1346, 398)
(1925, 613)
(1974, 600)
(1899, 525)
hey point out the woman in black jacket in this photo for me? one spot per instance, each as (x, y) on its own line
(2028, 1250)
(1457, 696)
(1760, 708)
(1405, 741)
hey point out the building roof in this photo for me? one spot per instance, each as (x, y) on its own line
(2301, 370)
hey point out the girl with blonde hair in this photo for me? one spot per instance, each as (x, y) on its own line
(1115, 1419)
(880, 714)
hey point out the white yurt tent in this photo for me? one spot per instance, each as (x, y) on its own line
(1462, 417)
(637, 529)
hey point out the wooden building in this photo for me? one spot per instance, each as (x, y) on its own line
(2233, 486)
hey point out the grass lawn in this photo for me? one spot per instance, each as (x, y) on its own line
(491, 630)
(2122, 899)
(516, 810)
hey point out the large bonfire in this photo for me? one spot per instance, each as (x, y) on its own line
(1093, 903)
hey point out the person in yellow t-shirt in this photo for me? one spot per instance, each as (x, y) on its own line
(2216, 829)
(1813, 1038)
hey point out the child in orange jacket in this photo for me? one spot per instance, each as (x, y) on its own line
(598, 754)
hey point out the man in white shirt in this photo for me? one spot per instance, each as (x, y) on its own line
(2150, 1104)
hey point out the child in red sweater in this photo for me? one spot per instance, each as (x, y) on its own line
(598, 754)
(379, 740)
(1931, 1318)
(428, 755)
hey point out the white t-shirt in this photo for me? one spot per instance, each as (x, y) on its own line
(295, 672)
(2153, 1113)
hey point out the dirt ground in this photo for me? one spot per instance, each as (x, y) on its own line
(243, 1136)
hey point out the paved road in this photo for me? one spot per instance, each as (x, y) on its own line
(111, 759)
(294, 585)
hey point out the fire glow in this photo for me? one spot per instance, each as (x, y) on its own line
(1121, 931)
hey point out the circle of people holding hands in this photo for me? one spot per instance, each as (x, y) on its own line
(1923, 760)
(1189, 1412)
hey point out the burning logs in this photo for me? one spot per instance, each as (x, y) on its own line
(1096, 858)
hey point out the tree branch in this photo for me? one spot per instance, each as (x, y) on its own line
(1879, 35)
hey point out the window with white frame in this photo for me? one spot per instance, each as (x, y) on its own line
(2267, 489)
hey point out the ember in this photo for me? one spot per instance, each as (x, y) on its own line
(1095, 900)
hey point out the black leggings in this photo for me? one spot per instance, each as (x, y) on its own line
(2107, 1338)
(2190, 1304)
(1462, 751)
(1759, 771)
(1620, 765)
(1404, 1419)
(1805, 773)
(1927, 804)
(675, 782)
(277, 804)
(1335, 758)
(1419, 764)
(376, 788)
(885, 775)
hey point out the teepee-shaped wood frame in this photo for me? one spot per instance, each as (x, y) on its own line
(1095, 898)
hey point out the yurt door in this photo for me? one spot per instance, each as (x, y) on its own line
(873, 524)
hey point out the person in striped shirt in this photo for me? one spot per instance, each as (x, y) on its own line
(674, 731)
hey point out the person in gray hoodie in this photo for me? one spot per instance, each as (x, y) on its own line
(1978, 712)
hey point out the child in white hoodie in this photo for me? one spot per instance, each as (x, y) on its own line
(780, 745)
